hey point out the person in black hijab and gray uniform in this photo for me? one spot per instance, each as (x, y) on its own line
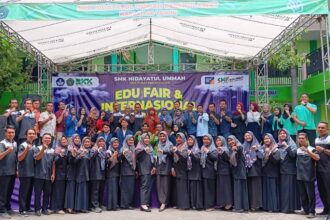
(146, 169)
(271, 174)
(180, 156)
(163, 168)
(97, 175)
(112, 177)
(195, 184)
(237, 160)
(127, 172)
(253, 161)
(209, 156)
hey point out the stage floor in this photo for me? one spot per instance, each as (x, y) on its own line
(170, 214)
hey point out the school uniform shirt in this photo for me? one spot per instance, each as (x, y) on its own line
(48, 127)
(144, 162)
(26, 166)
(28, 121)
(289, 124)
(209, 171)
(304, 115)
(323, 165)
(8, 164)
(224, 127)
(43, 167)
(97, 169)
(138, 121)
(213, 127)
(272, 166)
(239, 172)
(83, 167)
(11, 120)
(61, 164)
(190, 127)
(223, 165)
(114, 171)
(202, 125)
(305, 165)
(195, 173)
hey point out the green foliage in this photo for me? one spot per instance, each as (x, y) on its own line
(287, 57)
(15, 67)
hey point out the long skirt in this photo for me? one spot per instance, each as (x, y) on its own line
(289, 194)
(112, 197)
(70, 193)
(270, 194)
(58, 195)
(255, 191)
(196, 194)
(127, 188)
(209, 193)
(173, 197)
(224, 190)
(82, 196)
(241, 198)
(163, 188)
(182, 198)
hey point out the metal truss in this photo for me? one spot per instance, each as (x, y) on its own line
(324, 38)
(44, 82)
(261, 84)
(17, 40)
(289, 33)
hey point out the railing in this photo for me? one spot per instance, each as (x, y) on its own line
(315, 62)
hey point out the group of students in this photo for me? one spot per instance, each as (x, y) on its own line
(200, 160)
(277, 176)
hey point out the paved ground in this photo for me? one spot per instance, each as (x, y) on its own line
(169, 214)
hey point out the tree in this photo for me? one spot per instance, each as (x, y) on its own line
(287, 58)
(15, 67)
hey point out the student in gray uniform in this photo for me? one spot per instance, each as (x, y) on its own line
(306, 157)
(44, 174)
(127, 172)
(146, 168)
(322, 145)
(26, 171)
(97, 175)
(8, 164)
(25, 119)
(61, 164)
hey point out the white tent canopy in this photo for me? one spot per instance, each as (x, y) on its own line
(240, 37)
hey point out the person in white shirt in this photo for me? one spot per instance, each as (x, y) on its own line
(47, 121)
(202, 125)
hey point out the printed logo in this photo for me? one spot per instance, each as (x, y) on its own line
(70, 82)
(60, 82)
(295, 5)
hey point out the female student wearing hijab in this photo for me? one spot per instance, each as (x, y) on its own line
(145, 164)
(127, 172)
(224, 194)
(112, 177)
(180, 157)
(26, 171)
(288, 122)
(44, 174)
(209, 156)
(253, 162)
(97, 176)
(70, 188)
(270, 174)
(195, 184)
(61, 162)
(82, 176)
(306, 174)
(163, 167)
(237, 125)
(289, 195)
(237, 160)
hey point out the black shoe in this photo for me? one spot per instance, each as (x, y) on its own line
(145, 210)
(24, 214)
(311, 215)
(45, 212)
(302, 212)
(38, 213)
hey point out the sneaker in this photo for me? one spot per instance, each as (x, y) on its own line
(311, 215)
(323, 213)
(61, 212)
(5, 215)
(24, 214)
(302, 212)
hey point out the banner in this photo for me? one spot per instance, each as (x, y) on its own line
(156, 90)
(39, 10)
